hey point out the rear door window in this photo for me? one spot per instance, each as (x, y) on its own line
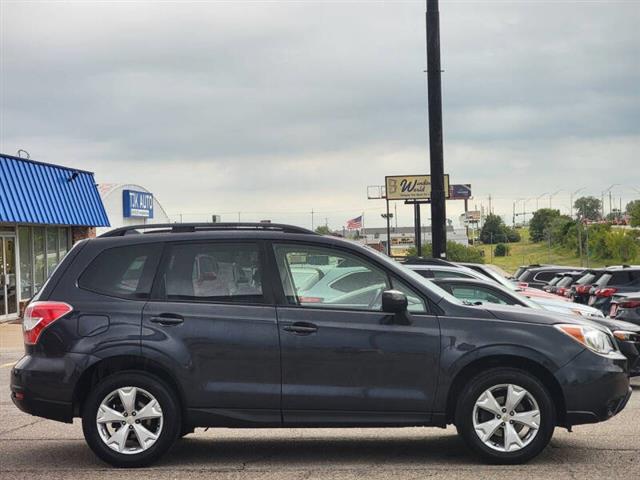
(213, 272)
(125, 272)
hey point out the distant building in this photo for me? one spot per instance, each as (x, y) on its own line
(403, 238)
(44, 210)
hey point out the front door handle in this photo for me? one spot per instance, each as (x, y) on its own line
(301, 328)
(167, 319)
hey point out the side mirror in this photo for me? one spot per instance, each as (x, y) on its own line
(394, 301)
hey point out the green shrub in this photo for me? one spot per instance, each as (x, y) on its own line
(501, 250)
(621, 245)
(456, 252)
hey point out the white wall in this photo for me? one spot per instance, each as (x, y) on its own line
(112, 199)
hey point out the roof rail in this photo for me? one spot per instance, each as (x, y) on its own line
(428, 261)
(199, 227)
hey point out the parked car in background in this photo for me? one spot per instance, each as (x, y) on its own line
(521, 269)
(614, 280)
(147, 336)
(475, 292)
(626, 306)
(551, 286)
(538, 277)
(563, 286)
(579, 291)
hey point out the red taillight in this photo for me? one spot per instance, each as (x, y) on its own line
(38, 316)
(583, 289)
(523, 284)
(605, 292)
(311, 299)
(630, 304)
(560, 291)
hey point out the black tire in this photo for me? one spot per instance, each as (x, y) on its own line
(171, 422)
(500, 376)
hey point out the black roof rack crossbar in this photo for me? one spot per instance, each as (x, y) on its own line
(198, 227)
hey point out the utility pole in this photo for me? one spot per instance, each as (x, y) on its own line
(571, 195)
(538, 198)
(312, 219)
(490, 209)
(418, 228)
(436, 155)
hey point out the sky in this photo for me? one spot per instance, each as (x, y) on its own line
(272, 110)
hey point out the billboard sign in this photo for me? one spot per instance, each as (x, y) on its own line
(411, 187)
(460, 191)
(137, 204)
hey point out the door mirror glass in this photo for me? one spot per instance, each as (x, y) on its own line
(394, 301)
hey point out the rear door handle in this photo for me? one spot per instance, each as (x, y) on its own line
(301, 328)
(167, 319)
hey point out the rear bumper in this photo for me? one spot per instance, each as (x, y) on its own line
(44, 387)
(595, 387)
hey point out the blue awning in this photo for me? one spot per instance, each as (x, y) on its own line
(35, 192)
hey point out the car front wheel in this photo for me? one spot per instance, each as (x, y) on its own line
(505, 415)
(130, 419)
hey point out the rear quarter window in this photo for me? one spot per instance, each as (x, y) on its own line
(124, 272)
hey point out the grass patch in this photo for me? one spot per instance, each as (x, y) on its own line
(525, 253)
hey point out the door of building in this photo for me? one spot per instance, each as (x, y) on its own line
(8, 280)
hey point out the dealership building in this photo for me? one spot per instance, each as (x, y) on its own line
(128, 204)
(44, 210)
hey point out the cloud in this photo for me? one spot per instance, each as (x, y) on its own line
(280, 108)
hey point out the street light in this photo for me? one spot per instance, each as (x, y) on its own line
(571, 199)
(538, 198)
(608, 190)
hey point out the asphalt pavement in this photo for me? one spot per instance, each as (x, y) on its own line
(33, 448)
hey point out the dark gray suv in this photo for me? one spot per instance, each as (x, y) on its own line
(147, 336)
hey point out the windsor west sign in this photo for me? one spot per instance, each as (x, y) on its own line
(411, 187)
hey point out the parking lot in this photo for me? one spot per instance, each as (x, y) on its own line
(35, 448)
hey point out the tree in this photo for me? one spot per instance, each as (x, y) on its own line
(633, 210)
(588, 208)
(541, 222)
(494, 230)
(323, 230)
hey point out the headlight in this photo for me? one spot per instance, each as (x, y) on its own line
(590, 337)
(626, 336)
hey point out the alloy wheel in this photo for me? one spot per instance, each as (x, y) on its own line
(129, 420)
(506, 417)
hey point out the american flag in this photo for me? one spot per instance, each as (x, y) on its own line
(354, 223)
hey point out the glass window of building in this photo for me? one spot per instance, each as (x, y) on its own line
(26, 262)
(52, 249)
(40, 266)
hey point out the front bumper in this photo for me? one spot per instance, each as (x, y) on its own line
(44, 387)
(595, 387)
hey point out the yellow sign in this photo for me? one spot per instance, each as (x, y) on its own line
(411, 187)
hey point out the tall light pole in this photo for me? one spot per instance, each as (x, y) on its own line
(436, 156)
(607, 191)
(571, 195)
(538, 199)
(551, 195)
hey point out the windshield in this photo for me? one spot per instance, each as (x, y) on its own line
(554, 280)
(588, 278)
(603, 280)
(565, 281)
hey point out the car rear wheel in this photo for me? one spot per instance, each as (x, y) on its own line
(131, 419)
(505, 415)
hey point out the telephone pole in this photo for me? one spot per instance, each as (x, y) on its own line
(436, 155)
